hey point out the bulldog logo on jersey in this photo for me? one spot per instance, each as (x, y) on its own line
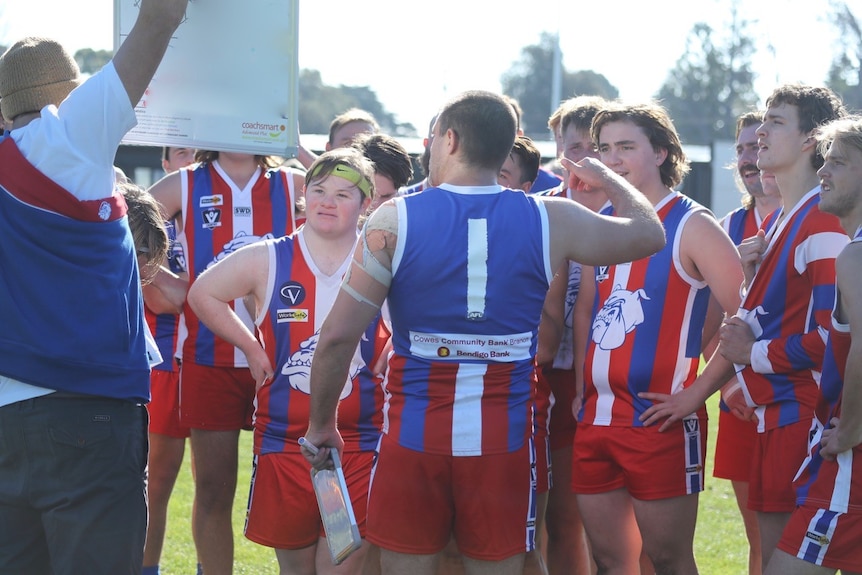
(752, 318)
(104, 211)
(621, 313)
(298, 367)
(242, 239)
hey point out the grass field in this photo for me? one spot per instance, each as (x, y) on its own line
(720, 544)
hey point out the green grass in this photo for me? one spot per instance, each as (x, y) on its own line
(720, 544)
(178, 555)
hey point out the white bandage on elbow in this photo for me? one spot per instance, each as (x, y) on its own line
(371, 265)
(358, 296)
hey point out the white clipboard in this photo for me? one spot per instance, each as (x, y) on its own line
(229, 80)
(336, 510)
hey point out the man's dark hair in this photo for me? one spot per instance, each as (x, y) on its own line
(484, 123)
(389, 157)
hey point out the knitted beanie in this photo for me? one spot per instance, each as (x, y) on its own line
(34, 73)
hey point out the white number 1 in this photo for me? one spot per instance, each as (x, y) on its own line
(477, 268)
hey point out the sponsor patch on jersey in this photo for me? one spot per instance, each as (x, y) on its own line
(462, 347)
(292, 293)
(602, 274)
(242, 211)
(291, 316)
(208, 201)
(211, 218)
(692, 426)
(817, 538)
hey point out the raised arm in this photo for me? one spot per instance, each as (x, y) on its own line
(139, 55)
(580, 235)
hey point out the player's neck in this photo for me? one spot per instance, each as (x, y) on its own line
(240, 168)
(655, 191)
(329, 250)
(795, 183)
(765, 205)
(460, 174)
(592, 200)
(852, 221)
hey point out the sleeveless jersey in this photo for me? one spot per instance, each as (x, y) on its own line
(788, 306)
(165, 326)
(470, 274)
(835, 485)
(744, 223)
(647, 325)
(218, 219)
(298, 300)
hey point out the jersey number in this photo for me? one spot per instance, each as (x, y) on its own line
(477, 268)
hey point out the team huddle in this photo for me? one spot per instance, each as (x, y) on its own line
(506, 359)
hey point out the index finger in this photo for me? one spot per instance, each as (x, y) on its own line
(653, 396)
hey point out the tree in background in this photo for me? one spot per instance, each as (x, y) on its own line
(529, 81)
(845, 73)
(319, 104)
(711, 84)
(91, 61)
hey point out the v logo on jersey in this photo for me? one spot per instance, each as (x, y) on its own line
(292, 293)
(602, 273)
(212, 218)
(692, 426)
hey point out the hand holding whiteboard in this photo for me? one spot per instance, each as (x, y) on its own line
(228, 81)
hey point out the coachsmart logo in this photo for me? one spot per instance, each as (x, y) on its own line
(255, 130)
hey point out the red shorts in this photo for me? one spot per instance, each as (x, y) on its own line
(544, 475)
(563, 424)
(164, 406)
(823, 537)
(778, 454)
(734, 447)
(417, 500)
(216, 398)
(282, 510)
(648, 463)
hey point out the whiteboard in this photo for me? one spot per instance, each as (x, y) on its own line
(228, 81)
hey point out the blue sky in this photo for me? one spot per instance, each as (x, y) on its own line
(414, 55)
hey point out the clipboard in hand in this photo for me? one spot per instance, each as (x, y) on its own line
(336, 511)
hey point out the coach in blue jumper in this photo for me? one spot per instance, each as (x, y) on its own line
(73, 364)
